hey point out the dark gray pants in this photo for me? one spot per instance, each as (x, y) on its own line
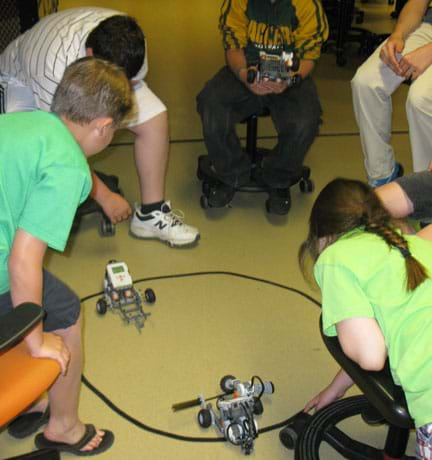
(225, 101)
(60, 304)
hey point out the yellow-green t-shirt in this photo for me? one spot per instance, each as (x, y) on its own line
(361, 276)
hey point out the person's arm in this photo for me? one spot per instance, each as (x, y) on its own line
(114, 205)
(309, 36)
(362, 341)
(337, 388)
(409, 19)
(395, 200)
(26, 282)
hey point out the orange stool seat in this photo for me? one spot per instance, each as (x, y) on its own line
(22, 380)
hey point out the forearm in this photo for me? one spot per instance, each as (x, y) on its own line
(341, 382)
(306, 68)
(26, 277)
(99, 191)
(410, 18)
(236, 61)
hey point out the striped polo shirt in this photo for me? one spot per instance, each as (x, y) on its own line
(39, 57)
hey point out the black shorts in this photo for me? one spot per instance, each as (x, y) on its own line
(60, 304)
(418, 187)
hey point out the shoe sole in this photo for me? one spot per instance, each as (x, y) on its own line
(167, 242)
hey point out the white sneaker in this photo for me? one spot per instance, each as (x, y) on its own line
(165, 225)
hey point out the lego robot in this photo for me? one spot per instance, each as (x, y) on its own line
(235, 412)
(121, 297)
(273, 67)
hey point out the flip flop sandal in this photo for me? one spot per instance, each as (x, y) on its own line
(27, 424)
(107, 441)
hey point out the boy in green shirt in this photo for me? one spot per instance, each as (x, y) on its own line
(44, 176)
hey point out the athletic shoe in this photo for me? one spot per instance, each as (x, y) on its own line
(164, 225)
(397, 172)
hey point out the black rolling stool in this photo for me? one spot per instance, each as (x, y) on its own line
(382, 402)
(210, 180)
(90, 206)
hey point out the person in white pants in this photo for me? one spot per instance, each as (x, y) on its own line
(405, 56)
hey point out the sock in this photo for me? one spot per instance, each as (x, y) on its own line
(148, 208)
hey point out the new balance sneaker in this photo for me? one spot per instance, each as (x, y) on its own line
(398, 171)
(164, 225)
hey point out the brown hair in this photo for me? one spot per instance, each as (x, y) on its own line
(92, 88)
(344, 205)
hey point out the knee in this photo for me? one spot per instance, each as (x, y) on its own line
(207, 102)
(418, 100)
(361, 79)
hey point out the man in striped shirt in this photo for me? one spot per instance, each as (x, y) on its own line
(30, 70)
(272, 26)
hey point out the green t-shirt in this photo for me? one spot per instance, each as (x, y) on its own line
(360, 276)
(44, 176)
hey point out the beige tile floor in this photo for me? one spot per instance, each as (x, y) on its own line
(205, 326)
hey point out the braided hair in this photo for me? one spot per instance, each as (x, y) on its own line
(346, 204)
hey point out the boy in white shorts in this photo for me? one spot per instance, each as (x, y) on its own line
(31, 68)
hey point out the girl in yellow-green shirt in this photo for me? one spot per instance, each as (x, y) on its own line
(376, 295)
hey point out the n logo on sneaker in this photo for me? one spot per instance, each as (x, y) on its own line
(160, 224)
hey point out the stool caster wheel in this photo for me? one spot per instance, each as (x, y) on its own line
(199, 174)
(107, 228)
(206, 188)
(101, 306)
(204, 203)
(306, 186)
(289, 435)
(149, 296)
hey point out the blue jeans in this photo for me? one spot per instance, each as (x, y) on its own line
(296, 112)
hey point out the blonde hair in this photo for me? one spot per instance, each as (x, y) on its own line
(93, 88)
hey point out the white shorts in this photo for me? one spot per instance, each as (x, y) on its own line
(17, 97)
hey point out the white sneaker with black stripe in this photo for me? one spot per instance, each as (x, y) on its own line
(165, 225)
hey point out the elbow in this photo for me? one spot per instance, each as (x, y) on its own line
(372, 363)
(367, 359)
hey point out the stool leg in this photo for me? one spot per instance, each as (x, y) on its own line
(251, 137)
(396, 443)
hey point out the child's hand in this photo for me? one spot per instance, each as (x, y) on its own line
(322, 399)
(52, 347)
(332, 392)
(116, 208)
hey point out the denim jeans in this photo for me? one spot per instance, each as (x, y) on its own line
(225, 101)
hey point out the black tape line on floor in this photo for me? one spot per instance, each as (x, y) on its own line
(167, 434)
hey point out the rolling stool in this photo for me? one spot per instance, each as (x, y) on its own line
(90, 206)
(210, 180)
(382, 402)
